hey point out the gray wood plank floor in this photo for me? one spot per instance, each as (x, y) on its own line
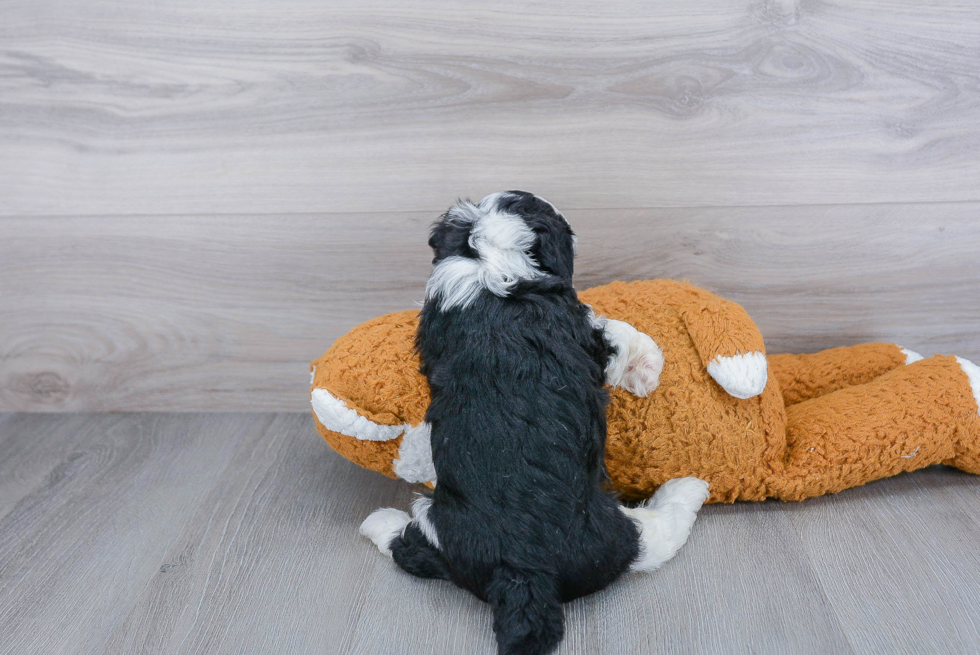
(237, 533)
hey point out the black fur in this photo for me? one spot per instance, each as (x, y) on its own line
(518, 419)
(416, 555)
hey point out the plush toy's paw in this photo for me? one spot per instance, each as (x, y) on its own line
(383, 525)
(665, 521)
(638, 362)
(742, 376)
(911, 356)
(973, 375)
(335, 415)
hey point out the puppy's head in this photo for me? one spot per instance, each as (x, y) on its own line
(507, 237)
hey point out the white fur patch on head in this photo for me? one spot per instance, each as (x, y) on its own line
(742, 376)
(335, 415)
(414, 463)
(420, 516)
(973, 374)
(383, 526)
(910, 356)
(501, 241)
(665, 521)
(455, 281)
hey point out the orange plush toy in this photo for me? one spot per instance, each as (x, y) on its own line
(754, 426)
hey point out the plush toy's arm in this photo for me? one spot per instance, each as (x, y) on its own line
(729, 344)
(637, 361)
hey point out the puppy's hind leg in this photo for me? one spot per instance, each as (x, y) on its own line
(411, 542)
(413, 552)
(665, 520)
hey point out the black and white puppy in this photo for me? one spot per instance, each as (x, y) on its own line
(516, 366)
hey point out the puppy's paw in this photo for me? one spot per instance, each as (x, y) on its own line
(638, 361)
(742, 376)
(644, 365)
(689, 493)
(383, 525)
(665, 521)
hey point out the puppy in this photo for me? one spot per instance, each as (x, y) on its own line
(516, 365)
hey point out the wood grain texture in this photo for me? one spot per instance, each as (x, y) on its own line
(746, 587)
(238, 534)
(225, 312)
(924, 579)
(26, 462)
(111, 107)
(81, 545)
(261, 566)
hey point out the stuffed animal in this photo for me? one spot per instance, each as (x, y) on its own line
(754, 426)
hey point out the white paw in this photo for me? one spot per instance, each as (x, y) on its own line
(665, 521)
(689, 492)
(910, 356)
(639, 361)
(644, 366)
(742, 376)
(973, 375)
(383, 525)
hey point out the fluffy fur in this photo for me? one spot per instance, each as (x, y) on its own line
(636, 362)
(516, 367)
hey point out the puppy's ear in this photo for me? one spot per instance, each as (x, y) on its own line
(554, 249)
(554, 243)
(450, 235)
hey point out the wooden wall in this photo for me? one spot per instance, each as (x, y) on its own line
(196, 198)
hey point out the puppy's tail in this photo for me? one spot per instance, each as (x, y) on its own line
(527, 614)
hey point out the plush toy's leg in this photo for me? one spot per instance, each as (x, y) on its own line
(968, 442)
(803, 377)
(911, 417)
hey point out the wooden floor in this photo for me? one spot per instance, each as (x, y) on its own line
(237, 533)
